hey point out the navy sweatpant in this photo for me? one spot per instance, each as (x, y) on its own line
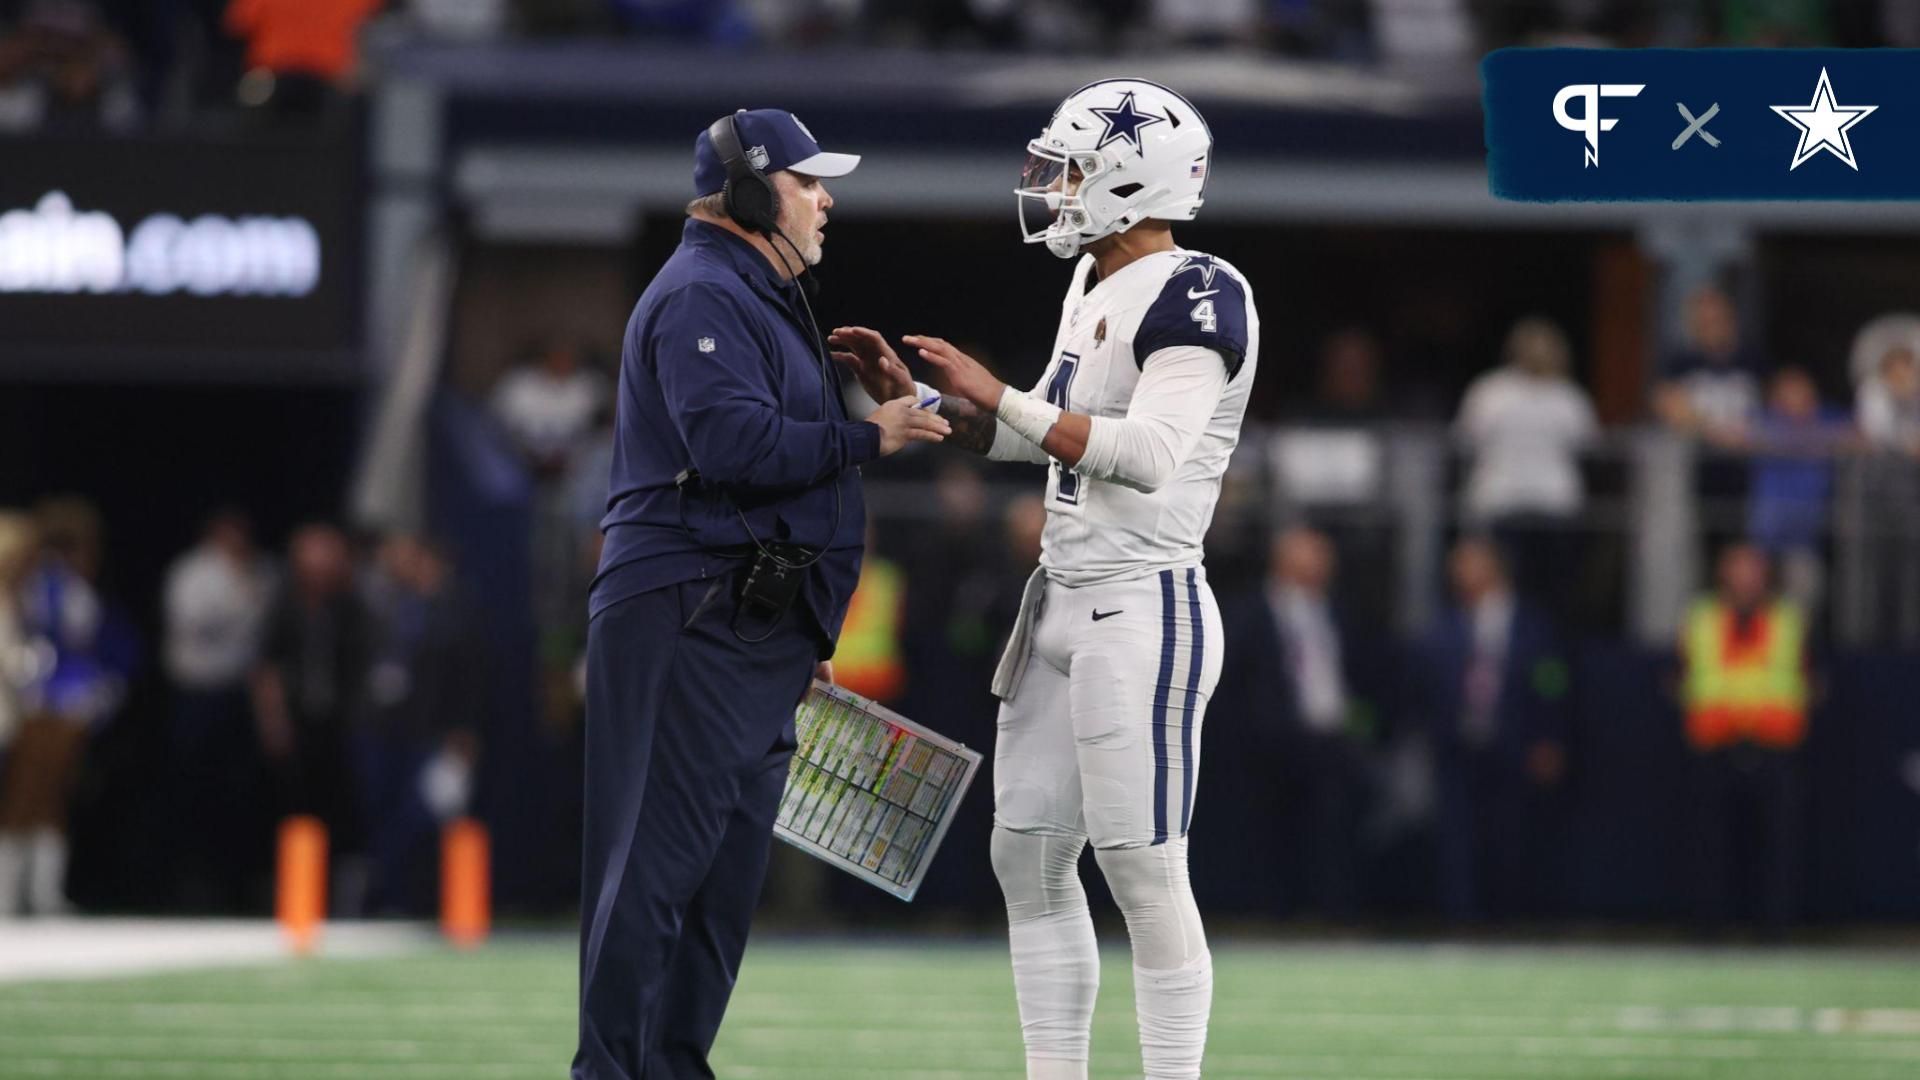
(689, 731)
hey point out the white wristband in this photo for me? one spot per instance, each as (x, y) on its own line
(1027, 415)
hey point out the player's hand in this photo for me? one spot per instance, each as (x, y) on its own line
(824, 672)
(900, 423)
(882, 374)
(963, 375)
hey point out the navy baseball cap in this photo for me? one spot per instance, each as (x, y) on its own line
(773, 139)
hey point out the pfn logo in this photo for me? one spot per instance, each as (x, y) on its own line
(1589, 123)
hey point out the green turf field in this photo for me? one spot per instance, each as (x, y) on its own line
(807, 1010)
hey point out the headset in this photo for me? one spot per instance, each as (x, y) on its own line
(752, 202)
(749, 195)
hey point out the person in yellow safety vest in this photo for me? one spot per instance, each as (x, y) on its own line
(1746, 716)
(868, 659)
(1746, 661)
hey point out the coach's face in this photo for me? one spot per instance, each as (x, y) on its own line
(804, 203)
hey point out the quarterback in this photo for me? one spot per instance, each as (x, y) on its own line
(1117, 646)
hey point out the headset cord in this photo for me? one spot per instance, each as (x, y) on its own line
(826, 410)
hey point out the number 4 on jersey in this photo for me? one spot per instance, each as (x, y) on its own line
(1057, 394)
(1203, 314)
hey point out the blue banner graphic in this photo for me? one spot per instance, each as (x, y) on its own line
(1601, 125)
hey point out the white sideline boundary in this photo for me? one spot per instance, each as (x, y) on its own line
(105, 948)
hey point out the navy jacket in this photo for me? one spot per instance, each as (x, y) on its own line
(717, 374)
(1533, 687)
(1258, 671)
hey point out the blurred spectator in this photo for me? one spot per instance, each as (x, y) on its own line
(215, 607)
(216, 601)
(1348, 388)
(1334, 29)
(17, 544)
(955, 575)
(1775, 24)
(62, 67)
(1330, 464)
(1422, 30)
(562, 17)
(868, 660)
(18, 541)
(308, 690)
(1204, 22)
(300, 53)
(549, 404)
(94, 654)
(953, 565)
(964, 23)
(1746, 718)
(1710, 386)
(467, 20)
(1794, 440)
(1874, 340)
(1523, 424)
(1024, 525)
(1889, 416)
(1291, 677)
(1495, 709)
(417, 750)
(1888, 412)
(713, 22)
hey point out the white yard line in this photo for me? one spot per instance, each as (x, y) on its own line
(113, 948)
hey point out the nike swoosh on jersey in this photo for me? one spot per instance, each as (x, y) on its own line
(1194, 295)
(1098, 614)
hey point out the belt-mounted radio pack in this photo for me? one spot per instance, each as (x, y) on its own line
(773, 580)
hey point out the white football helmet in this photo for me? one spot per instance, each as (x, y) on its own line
(1136, 149)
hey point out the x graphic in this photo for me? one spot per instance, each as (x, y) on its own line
(1696, 127)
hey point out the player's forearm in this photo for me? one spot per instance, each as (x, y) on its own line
(1066, 440)
(980, 431)
(973, 427)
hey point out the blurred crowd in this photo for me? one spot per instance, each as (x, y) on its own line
(341, 681)
(123, 65)
(1331, 716)
(1767, 441)
(347, 677)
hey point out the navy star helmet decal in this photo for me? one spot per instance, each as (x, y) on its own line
(1124, 121)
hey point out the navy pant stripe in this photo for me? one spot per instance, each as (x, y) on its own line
(1194, 662)
(1168, 630)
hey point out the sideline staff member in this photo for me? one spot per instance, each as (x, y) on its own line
(733, 539)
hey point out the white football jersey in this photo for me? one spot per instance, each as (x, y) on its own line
(1099, 531)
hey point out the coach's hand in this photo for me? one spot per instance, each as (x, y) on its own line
(901, 423)
(882, 374)
(963, 375)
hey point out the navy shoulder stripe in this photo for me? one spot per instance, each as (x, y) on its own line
(1201, 304)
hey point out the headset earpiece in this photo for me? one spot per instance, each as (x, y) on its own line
(748, 195)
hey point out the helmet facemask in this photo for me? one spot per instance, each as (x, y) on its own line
(1053, 209)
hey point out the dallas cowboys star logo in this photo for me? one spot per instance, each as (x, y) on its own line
(1124, 121)
(1823, 125)
(1202, 263)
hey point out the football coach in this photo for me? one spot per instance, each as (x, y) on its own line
(733, 541)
